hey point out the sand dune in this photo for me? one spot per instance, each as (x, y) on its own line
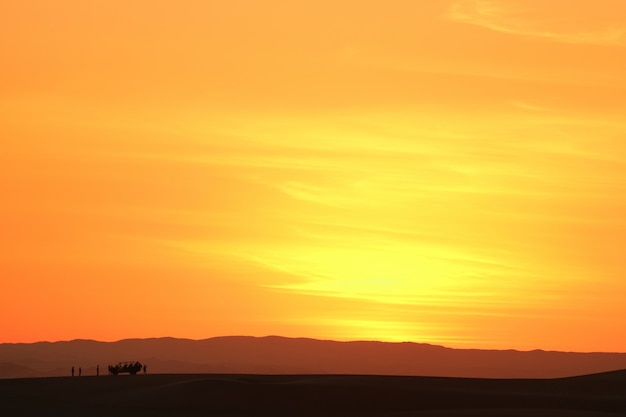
(313, 395)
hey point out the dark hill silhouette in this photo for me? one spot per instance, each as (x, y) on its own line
(599, 395)
(279, 355)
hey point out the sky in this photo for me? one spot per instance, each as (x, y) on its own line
(443, 171)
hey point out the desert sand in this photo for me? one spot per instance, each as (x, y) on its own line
(599, 395)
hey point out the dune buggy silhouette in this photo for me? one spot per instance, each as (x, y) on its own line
(125, 367)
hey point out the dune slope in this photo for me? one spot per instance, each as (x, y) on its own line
(313, 395)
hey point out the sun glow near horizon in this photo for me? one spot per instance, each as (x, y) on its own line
(449, 172)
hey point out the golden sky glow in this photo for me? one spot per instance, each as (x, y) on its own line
(443, 171)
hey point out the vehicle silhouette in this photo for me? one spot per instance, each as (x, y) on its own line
(125, 367)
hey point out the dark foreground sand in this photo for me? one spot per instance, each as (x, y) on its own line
(600, 395)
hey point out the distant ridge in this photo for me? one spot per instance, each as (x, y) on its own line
(280, 355)
(12, 370)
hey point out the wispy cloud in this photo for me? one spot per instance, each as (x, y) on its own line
(534, 19)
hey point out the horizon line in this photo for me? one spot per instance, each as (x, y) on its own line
(306, 338)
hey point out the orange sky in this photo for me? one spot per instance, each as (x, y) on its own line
(443, 171)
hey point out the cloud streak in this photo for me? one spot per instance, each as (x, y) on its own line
(531, 19)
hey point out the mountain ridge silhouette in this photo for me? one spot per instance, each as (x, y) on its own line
(282, 355)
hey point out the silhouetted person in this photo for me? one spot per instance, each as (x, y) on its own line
(145, 368)
(97, 370)
(80, 371)
(72, 371)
